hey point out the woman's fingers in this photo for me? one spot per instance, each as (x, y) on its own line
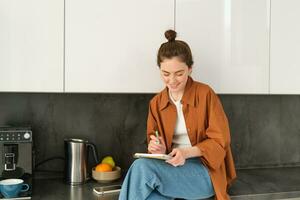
(152, 148)
(173, 160)
(177, 159)
(155, 146)
(152, 137)
(176, 162)
(173, 152)
(159, 140)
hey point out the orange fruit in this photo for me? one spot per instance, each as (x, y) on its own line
(103, 167)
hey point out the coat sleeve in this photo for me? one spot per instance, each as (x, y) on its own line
(217, 133)
(151, 123)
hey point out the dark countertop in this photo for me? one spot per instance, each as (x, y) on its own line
(262, 184)
(52, 186)
(57, 189)
(266, 184)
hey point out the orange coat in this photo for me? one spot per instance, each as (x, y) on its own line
(207, 128)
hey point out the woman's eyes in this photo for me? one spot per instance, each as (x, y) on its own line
(175, 74)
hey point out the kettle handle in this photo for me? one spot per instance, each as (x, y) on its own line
(94, 151)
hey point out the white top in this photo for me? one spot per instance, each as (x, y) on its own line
(180, 138)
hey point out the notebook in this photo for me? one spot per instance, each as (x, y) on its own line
(153, 156)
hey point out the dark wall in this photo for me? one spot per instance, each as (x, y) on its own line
(265, 129)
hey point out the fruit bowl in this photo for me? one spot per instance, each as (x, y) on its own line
(105, 177)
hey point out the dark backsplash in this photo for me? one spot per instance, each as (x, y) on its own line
(265, 129)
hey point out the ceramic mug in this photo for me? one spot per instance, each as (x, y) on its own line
(10, 188)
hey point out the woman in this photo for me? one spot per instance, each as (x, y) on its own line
(193, 130)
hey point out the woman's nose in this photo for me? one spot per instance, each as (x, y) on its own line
(172, 80)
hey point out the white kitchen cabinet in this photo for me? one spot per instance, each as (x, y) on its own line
(111, 45)
(285, 47)
(31, 45)
(230, 43)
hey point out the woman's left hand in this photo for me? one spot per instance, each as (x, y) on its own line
(179, 156)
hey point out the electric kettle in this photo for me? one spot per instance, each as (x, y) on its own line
(76, 154)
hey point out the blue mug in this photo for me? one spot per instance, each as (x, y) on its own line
(10, 188)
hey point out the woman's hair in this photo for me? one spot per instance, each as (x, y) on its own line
(174, 48)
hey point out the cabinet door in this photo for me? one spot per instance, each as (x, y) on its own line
(111, 45)
(31, 45)
(230, 42)
(285, 47)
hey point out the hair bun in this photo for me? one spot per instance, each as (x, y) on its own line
(170, 35)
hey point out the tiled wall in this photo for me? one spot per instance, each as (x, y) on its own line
(265, 129)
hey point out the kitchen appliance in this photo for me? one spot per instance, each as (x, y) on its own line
(16, 155)
(76, 154)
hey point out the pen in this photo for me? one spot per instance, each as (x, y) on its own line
(157, 137)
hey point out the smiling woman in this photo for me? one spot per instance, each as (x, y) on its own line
(193, 131)
(175, 74)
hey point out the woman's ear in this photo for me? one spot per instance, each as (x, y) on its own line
(190, 70)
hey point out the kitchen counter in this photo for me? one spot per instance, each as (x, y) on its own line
(262, 184)
(57, 189)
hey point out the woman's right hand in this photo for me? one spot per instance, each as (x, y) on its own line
(153, 147)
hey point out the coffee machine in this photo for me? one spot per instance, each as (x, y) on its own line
(16, 155)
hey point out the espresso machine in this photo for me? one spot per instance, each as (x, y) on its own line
(16, 155)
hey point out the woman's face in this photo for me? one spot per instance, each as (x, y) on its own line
(175, 74)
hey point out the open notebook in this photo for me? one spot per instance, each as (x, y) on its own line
(153, 156)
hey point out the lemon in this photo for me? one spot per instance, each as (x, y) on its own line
(109, 160)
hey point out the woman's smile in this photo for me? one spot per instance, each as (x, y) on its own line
(173, 86)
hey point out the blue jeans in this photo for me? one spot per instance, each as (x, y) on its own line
(151, 179)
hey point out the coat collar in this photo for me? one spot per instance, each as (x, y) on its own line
(187, 98)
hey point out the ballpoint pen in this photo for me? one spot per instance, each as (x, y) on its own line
(157, 137)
